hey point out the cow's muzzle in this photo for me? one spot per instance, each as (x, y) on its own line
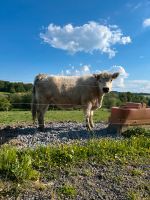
(105, 89)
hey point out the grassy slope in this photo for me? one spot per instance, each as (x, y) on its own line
(12, 117)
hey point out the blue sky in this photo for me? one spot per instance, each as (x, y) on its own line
(51, 36)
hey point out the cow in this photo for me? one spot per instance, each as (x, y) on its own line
(86, 92)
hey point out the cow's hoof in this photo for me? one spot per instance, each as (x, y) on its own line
(41, 129)
(92, 125)
(88, 128)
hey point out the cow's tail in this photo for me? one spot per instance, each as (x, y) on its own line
(34, 104)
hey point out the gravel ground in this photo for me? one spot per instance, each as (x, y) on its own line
(91, 181)
(56, 132)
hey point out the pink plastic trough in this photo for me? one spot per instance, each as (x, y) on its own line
(131, 114)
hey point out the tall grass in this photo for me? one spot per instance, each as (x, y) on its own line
(31, 163)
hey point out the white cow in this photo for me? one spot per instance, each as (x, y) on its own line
(69, 92)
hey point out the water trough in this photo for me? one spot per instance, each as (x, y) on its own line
(128, 116)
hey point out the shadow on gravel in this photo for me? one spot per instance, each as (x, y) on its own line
(59, 131)
(9, 133)
(83, 134)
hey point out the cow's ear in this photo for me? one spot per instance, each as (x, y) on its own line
(97, 76)
(115, 75)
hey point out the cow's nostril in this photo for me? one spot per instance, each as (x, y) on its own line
(105, 89)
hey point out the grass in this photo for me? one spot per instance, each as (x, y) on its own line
(4, 93)
(27, 163)
(26, 166)
(132, 195)
(16, 116)
(67, 190)
(136, 172)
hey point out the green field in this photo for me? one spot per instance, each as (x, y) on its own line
(14, 117)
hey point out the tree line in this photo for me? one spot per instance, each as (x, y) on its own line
(12, 87)
(120, 98)
(23, 100)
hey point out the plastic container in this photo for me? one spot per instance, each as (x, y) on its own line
(131, 114)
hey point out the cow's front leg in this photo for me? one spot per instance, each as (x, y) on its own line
(91, 119)
(40, 115)
(87, 112)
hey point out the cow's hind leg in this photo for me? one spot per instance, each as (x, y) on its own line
(40, 115)
(91, 119)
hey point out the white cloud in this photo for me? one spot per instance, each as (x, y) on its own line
(120, 81)
(77, 71)
(123, 84)
(86, 38)
(146, 22)
(142, 86)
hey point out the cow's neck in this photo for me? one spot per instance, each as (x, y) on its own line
(98, 96)
(100, 99)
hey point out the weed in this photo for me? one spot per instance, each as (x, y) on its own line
(132, 195)
(16, 165)
(136, 172)
(67, 190)
(136, 132)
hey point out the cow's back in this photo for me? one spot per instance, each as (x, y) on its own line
(66, 90)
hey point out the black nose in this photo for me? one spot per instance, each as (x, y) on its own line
(105, 89)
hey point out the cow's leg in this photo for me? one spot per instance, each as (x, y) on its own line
(40, 115)
(91, 119)
(87, 112)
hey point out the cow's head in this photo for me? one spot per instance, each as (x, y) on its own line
(105, 81)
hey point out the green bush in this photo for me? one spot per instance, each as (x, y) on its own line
(15, 100)
(5, 104)
(67, 190)
(136, 132)
(26, 99)
(16, 165)
(21, 101)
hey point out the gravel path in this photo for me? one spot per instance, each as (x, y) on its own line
(56, 132)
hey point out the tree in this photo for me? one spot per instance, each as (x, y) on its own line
(26, 99)
(10, 88)
(15, 100)
(111, 102)
(5, 104)
(123, 97)
(19, 87)
(2, 85)
(28, 87)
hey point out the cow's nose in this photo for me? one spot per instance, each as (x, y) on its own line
(105, 89)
